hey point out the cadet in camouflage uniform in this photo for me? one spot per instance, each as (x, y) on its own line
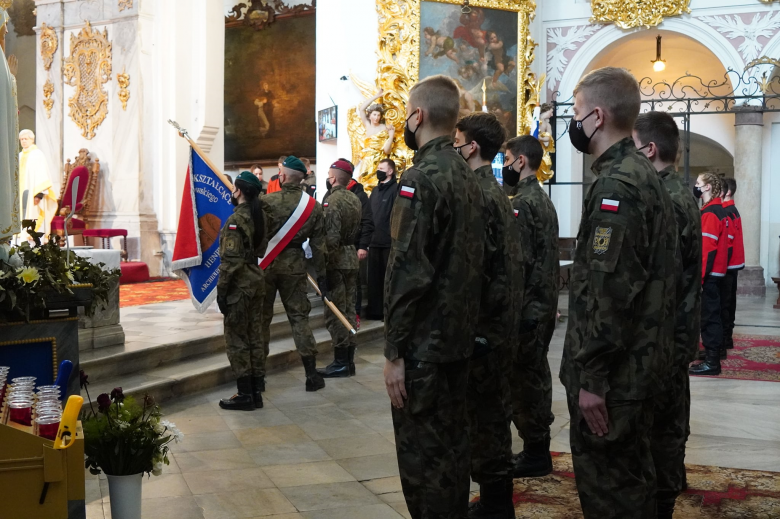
(433, 284)
(240, 291)
(531, 379)
(478, 138)
(656, 134)
(622, 305)
(287, 272)
(343, 212)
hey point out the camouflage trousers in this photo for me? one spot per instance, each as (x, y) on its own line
(615, 473)
(343, 290)
(432, 440)
(293, 291)
(671, 428)
(243, 341)
(532, 384)
(489, 413)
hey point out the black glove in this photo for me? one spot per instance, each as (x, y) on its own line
(322, 282)
(222, 304)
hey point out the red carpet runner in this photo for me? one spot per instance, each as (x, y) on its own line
(713, 493)
(754, 357)
(158, 291)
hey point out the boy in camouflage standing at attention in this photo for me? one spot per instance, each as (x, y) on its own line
(433, 286)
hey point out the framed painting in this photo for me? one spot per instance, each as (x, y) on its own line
(327, 120)
(269, 90)
(478, 48)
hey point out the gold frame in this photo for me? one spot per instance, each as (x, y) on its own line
(629, 14)
(53, 341)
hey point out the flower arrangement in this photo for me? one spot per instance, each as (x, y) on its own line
(31, 272)
(125, 437)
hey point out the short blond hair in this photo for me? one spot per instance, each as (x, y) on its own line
(714, 180)
(614, 90)
(26, 133)
(440, 97)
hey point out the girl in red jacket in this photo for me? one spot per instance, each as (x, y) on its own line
(715, 244)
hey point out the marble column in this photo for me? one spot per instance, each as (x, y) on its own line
(748, 168)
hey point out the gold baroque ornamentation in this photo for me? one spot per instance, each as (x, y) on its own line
(628, 14)
(398, 64)
(87, 69)
(48, 102)
(6, 4)
(49, 45)
(125, 4)
(123, 80)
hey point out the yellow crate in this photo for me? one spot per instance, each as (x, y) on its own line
(27, 463)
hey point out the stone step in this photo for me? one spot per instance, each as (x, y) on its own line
(208, 371)
(121, 360)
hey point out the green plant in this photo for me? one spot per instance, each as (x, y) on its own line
(124, 437)
(44, 270)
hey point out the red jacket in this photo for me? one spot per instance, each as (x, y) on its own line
(274, 185)
(715, 240)
(737, 259)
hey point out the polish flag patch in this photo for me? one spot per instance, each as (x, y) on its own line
(517, 213)
(610, 205)
(407, 192)
(232, 227)
(325, 204)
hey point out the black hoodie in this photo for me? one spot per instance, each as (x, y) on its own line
(382, 200)
(366, 229)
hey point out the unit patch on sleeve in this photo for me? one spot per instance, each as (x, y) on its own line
(611, 206)
(601, 240)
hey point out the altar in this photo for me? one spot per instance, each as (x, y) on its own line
(103, 329)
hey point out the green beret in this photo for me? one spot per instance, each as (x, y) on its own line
(294, 163)
(250, 179)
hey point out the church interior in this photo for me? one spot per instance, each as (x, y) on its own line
(121, 119)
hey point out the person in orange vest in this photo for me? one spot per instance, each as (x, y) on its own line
(728, 291)
(715, 237)
(274, 185)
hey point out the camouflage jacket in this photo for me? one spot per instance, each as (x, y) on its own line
(688, 318)
(238, 271)
(434, 274)
(343, 212)
(502, 286)
(622, 289)
(278, 207)
(539, 236)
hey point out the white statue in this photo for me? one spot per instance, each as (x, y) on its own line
(10, 218)
(37, 197)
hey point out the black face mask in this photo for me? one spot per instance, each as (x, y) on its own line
(510, 176)
(410, 137)
(579, 139)
(234, 200)
(328, 185)
(458, 148)
(697, 191)
(381, 176)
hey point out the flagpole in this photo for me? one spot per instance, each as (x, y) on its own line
(183, 133)
(333, 308)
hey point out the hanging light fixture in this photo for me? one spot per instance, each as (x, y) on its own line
(658, 64)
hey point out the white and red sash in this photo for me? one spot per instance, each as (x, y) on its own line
(288, 230)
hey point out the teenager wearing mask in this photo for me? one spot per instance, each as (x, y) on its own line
(736, 263)
(382, 200)
(714, 264)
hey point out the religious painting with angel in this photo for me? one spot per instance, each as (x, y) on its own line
(477, 49)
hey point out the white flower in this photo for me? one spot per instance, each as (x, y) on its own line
(178, 436)
(159, 428)
(157, 469)
(122, 425)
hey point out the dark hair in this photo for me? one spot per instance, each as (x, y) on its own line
(659, 128)
(254, 167)
(440, 98)
(251, 194)
(529, 147)
(391, 163)
(731, 185)
(486, 130)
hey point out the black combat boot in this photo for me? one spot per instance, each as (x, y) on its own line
(534, 461)
(723, 353)
(313, 379)
(258, 386)
(665, 510)
(352, 360)
(241, 401)
(339, 368)
(728, 343)
(495, 502)
(710, 366)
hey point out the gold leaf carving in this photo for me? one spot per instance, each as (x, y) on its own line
(87, 69)
(628, 14)
(49, 45)
(48, 102)
(125, 4)
(123, 80)
(398, 68)
(6, 4)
